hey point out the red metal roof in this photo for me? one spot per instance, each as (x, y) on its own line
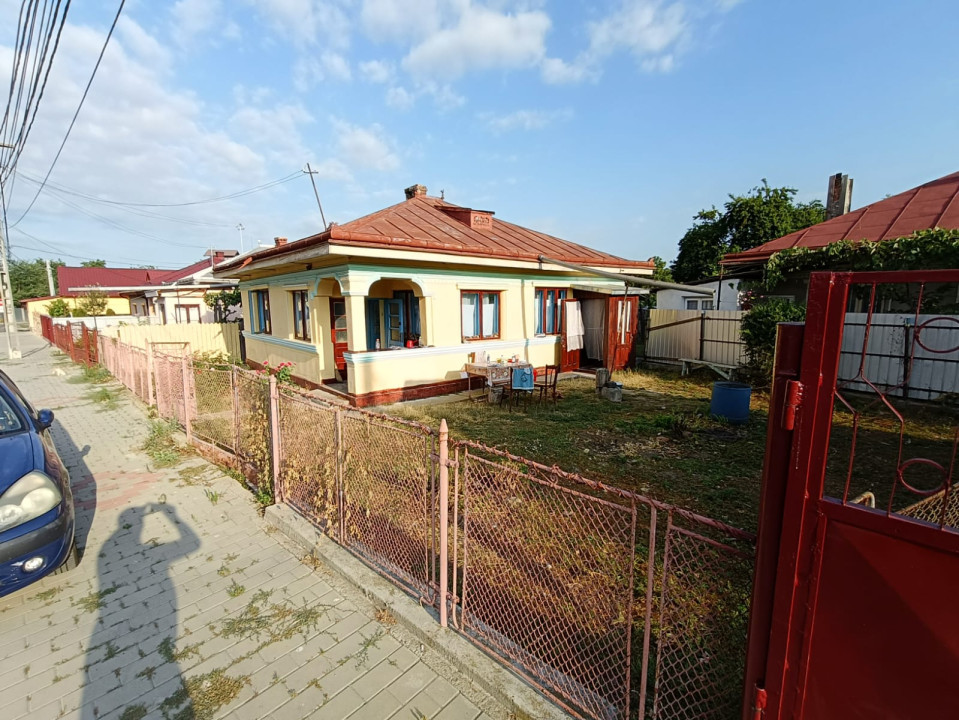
(76, 277)
(934, 204)
(424, 223)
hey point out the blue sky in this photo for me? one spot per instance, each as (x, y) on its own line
(606, 123)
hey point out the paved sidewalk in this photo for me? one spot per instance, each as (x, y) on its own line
(185, 605)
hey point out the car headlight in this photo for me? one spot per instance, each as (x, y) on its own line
(29, 497)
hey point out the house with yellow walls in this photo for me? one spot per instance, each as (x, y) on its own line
(393, 305)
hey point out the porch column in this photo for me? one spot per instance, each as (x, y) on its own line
(356, 322)
(322, 333)
(426, 321)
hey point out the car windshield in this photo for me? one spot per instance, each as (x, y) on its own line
(9, 419)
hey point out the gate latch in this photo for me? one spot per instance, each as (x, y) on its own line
(794, 391)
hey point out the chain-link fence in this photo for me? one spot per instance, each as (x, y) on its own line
(614, 604)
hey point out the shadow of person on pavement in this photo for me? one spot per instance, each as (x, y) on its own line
(133, 646)
(82, 483)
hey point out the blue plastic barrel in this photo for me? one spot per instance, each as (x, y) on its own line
(730, 401)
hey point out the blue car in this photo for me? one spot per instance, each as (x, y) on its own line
(36, 505)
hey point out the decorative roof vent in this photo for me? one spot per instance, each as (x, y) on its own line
(415, 191)
(278, 241)
(475, 219)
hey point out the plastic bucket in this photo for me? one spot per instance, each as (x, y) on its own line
(730, 400)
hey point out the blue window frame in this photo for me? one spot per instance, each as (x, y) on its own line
(260, 311)
(301, 315)
(549, 310)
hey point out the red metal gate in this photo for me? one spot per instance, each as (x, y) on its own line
(858, 556)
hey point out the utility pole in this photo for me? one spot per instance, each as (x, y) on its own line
(239, 226)
(311, 172)
(50, 279)
(9, 320)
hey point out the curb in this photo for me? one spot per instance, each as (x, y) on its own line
(506, 687)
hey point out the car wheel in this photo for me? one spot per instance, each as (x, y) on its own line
(73, 559)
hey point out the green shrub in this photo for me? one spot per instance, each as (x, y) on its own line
(58, 308)
(759, 332)
(110, 311)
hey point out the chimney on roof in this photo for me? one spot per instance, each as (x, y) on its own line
(279, 241)
(415, 191)
(838, 196)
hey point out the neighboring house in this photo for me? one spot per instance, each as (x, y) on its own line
(180, 298)
(934, 204)
(725, 296)
(393, 305)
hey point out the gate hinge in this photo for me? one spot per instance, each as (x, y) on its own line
(794, 393)
(759, 703)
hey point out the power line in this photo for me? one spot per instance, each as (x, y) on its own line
(77, 113)
(120, 203)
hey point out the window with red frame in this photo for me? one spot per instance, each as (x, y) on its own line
(480, 313)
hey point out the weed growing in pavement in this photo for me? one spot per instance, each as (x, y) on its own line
(160, 444)
(134, 712)
(112, 651)
(94, 374)
(272, 621)
(193, 475)
(363, 654)
(202, 695)
(168, 651)
(147, 673)
(212, 495)
(47, 594)
(105, 396)
(95, 600)
(235, 589)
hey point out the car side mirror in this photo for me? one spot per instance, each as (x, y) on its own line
(45, 419)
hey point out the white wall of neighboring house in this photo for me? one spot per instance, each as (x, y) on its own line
(726, 299)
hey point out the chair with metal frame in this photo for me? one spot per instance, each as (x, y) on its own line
(547, 380)
(521, 385)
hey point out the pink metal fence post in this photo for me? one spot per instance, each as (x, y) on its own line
(184, 369)
(275, 437)
(444, 528)
(151, 371)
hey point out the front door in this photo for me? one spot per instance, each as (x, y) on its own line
(621, 322)
(395, 330)
(568, 359)
(338, 330)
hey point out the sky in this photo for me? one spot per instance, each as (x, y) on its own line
(605, 123)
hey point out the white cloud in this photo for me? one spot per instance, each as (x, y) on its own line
(558, 72)
(400, 99)
(275, 130)
(403, 19)
(644, 27)
(310, 70)
(308, 22)
(142, 46)
(364, 148)
(482, 39)
(525, 119)
(193, 17)
(376, 71)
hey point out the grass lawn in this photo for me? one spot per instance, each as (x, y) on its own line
(659, 441)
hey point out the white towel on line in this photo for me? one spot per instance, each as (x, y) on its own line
(574, 327)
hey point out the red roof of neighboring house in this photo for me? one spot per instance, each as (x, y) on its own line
(429, 224)
(174, 275)
(935, 204)
(76, 277)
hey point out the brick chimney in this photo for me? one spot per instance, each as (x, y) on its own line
(415, 191)
(279, 241)
(838, 196)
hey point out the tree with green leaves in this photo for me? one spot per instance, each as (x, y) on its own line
(746, 221)
(223, 304)
(58, 308)
(28, 278)
(92, 303)
(661, 273)
(93, 263)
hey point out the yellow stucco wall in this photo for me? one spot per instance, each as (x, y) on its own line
(36, 308)
(439, 298)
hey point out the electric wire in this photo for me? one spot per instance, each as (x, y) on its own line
(73, 121)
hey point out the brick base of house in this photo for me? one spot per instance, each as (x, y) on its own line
(384, 397)
(415, 392)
